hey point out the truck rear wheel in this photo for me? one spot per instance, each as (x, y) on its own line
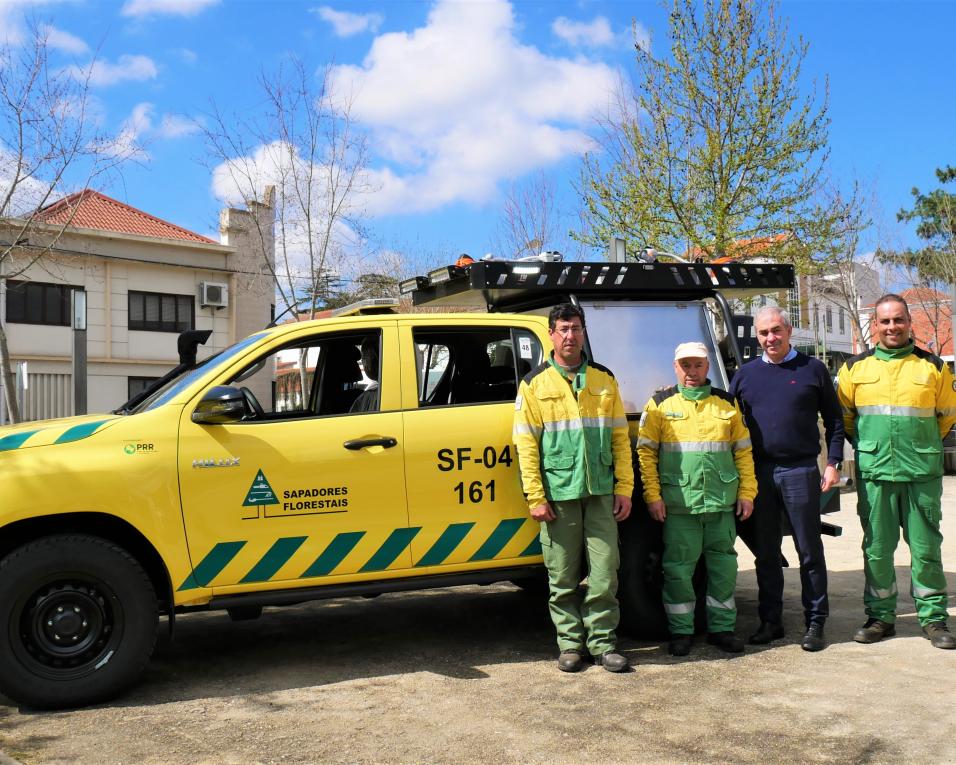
(640, 578)
(78, 620)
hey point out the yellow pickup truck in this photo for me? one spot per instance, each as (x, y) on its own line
(347, 456)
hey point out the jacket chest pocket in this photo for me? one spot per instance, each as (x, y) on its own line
(601, 401)
(922, 387)
(552, 405)
(719, 427)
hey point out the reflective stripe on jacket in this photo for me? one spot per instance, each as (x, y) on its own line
(570, 446)
(695, 455)
(896, 412)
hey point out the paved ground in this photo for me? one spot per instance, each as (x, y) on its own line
(467, 676)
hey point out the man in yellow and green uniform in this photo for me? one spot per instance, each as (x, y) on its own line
(574, 452)
(899, 401)
(697, 468)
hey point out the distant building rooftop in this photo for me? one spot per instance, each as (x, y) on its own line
(91, 209)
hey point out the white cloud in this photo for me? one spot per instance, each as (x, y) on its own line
(64, 41)
(129, 140)
(165, 7)
(460, 104)
(186, 55)
(140, 129)
(29, 193)
(598, 33)
(594, 33)
(278, 164)
(128, 68)
(176, 126)
(12, 12)
(346, 24)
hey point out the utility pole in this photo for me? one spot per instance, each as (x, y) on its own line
(78, 306)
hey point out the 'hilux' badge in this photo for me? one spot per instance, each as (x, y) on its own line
(213, 463)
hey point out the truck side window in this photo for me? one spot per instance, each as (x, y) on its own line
(472, 366)
(324, 375)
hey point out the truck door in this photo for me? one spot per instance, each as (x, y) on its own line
(464, 491)
(311, 486)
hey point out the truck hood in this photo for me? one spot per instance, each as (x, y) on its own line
(45, 432)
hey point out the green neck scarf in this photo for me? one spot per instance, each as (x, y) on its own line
(579, 379)
(695, 394)
(891, 354)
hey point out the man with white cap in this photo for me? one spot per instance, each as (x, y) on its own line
(697, 468)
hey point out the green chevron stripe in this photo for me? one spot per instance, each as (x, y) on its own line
(16, 440)
(534, 548)
(277, 556)
(445, 544)
(334, 554)
(397, 541)
(210, 566)
(78, 432)
(498, 539)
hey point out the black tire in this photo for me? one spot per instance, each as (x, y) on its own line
(535, 586)
(78, 619)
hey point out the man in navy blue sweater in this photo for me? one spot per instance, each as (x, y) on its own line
(780, 395)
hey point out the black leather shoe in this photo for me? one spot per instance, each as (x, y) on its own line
(813, 640)
(679, 645)
(939, 635)
(874, 631)
(571, 660)
(612, 661)
(726, 641)
(766, 633)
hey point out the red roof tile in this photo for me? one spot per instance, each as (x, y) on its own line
(90, 209)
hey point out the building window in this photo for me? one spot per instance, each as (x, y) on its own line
(136, 385)
(155, 312)
(842, 318)
(38, 303)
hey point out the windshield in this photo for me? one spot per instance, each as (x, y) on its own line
(180, 383)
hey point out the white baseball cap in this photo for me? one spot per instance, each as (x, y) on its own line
(690, 351)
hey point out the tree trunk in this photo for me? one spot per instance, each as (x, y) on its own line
(7, 377)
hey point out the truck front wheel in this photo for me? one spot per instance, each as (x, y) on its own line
(78, 620)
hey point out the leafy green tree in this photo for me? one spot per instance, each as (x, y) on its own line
(935, 217)
(716, 149)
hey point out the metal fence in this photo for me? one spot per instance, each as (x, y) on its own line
(41, 396)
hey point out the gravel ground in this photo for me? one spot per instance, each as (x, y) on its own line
(467, 675)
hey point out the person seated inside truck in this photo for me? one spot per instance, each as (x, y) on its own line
(368, 400)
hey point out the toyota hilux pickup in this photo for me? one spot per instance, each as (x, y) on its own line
(353, 455)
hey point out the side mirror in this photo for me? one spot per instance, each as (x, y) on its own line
(220, 405)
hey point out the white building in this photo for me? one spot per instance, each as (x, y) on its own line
(823, 311)
(145, 280)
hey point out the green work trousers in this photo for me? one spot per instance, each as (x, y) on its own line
(884, 507)
(686, 537)
(583, 527)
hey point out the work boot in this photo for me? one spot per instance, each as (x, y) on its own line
(939, 635)
(571, 660)
(612, 661)
(766, 633)
(679, 645)
(874, 631)
(813, 640)
(726, 641)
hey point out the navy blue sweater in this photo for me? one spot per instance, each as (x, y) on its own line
(780, 404)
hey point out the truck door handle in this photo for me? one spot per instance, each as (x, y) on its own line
(360, 443)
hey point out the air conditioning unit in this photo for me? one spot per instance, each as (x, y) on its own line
(213, 295)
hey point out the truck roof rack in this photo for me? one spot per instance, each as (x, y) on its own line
(509, 285)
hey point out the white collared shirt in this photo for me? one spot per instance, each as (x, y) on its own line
(792, 354)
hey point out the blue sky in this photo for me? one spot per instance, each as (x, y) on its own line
(462, 98)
